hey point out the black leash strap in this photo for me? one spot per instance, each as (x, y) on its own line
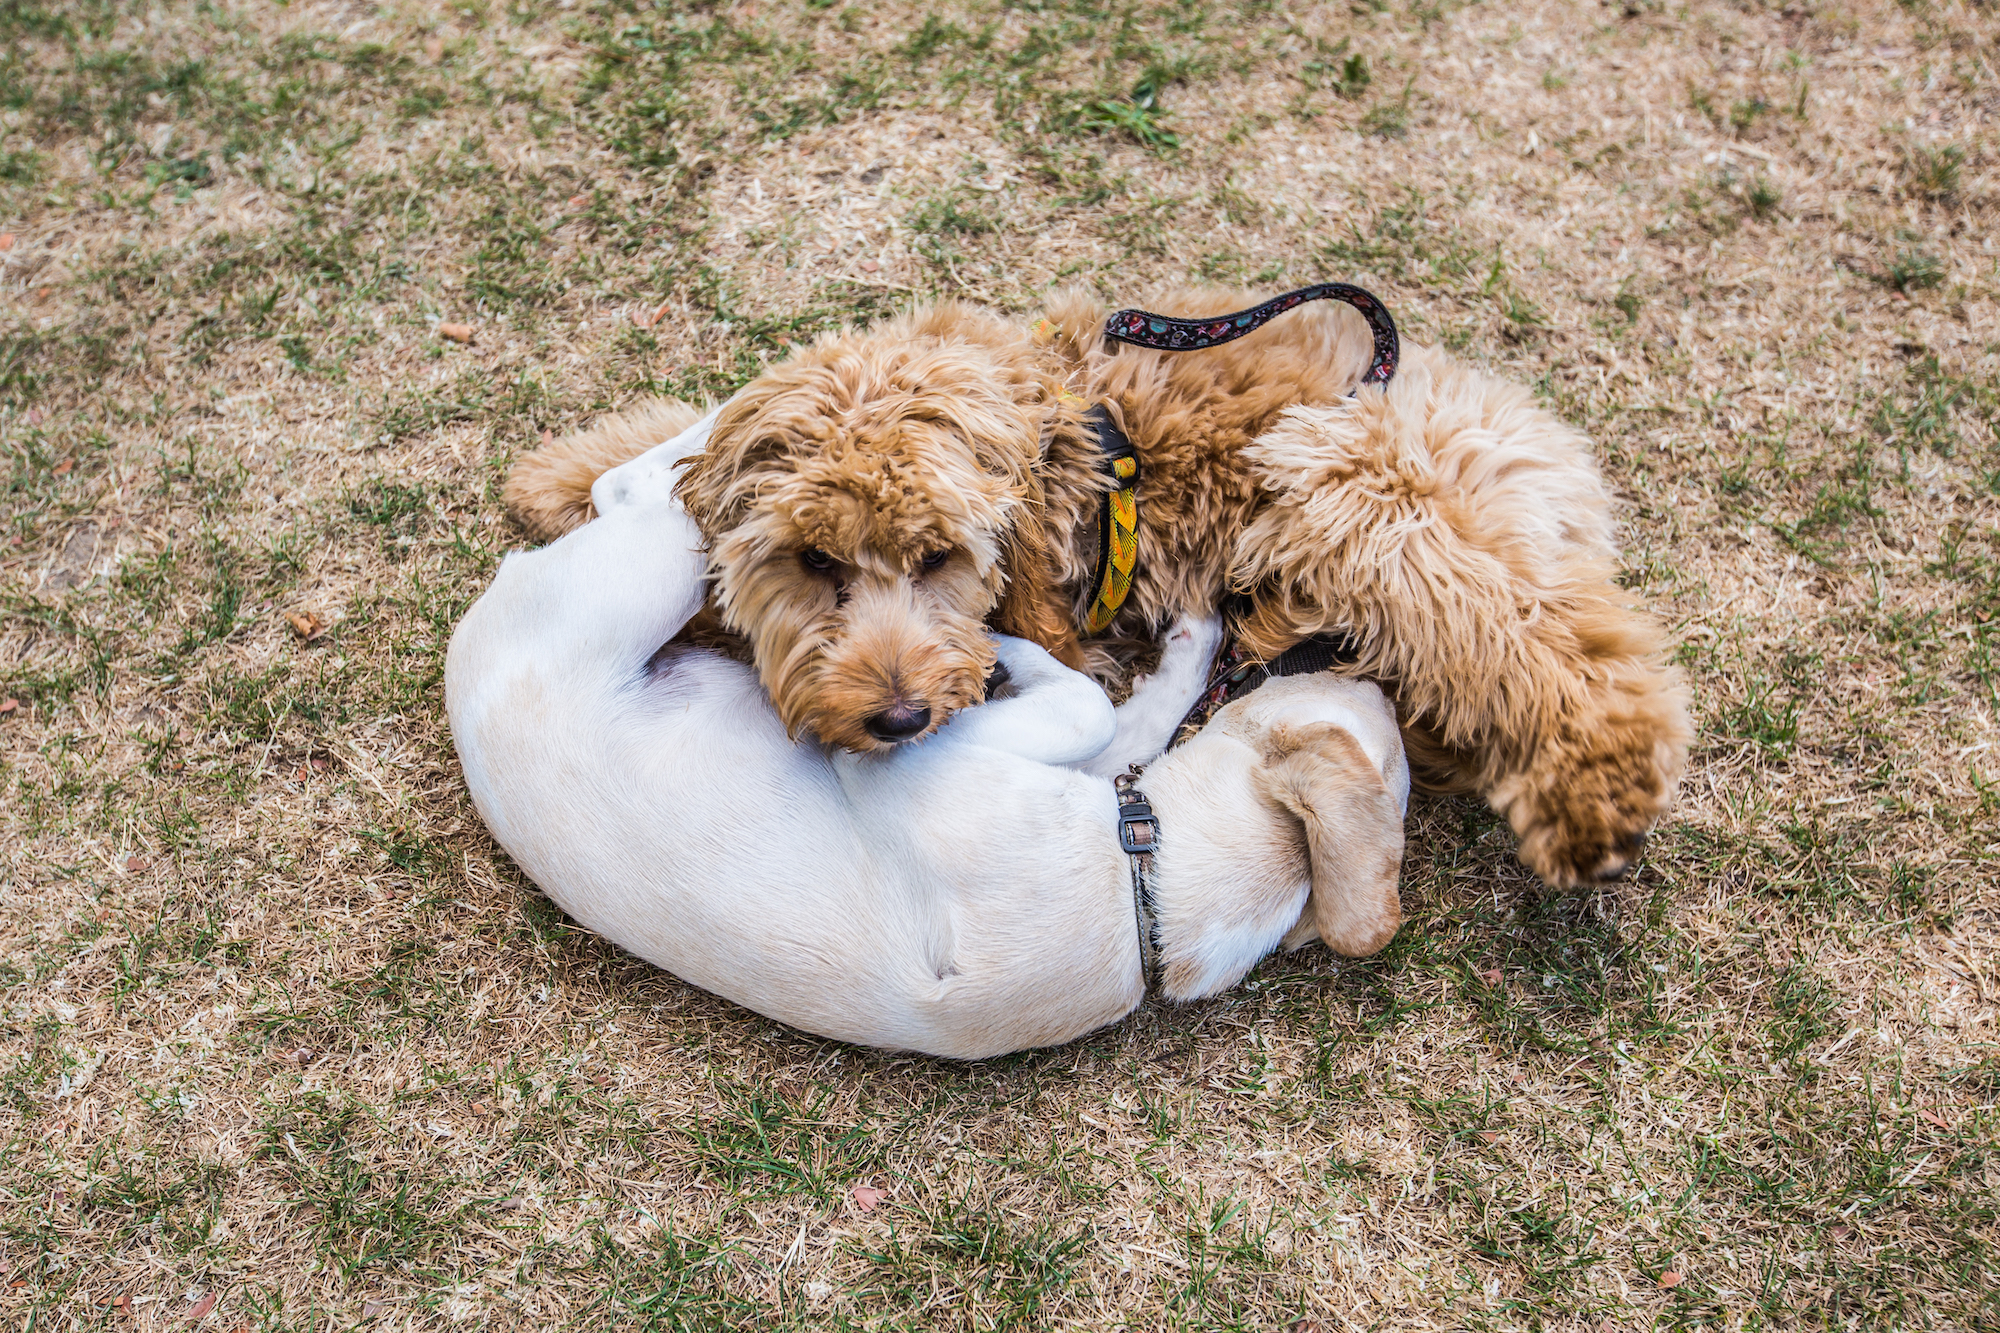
(1164, 333)
(1237, 674)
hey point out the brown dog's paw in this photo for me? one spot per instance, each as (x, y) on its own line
(1591, 794)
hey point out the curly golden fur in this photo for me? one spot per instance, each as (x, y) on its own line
(877, 500)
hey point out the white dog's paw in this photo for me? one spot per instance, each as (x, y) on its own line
(1188, 652)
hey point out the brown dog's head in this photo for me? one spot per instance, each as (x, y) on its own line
(865, 505)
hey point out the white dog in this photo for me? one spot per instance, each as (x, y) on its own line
(965, 896)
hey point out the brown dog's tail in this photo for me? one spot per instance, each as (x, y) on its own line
(548, 492)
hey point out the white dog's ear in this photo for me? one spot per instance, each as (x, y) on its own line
(1354, 835)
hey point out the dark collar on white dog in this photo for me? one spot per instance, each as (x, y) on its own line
(1236, 673)
(1139, 835)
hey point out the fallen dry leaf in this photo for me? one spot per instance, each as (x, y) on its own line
(1935, 1119)
(135, 864)
(202, 1306)
(869, 266)
(8, 705)
(578, 200)
(434, 49)
(305, 624)
(867, 1196)
(7, 241)
(1669, 1280)
(646, 319)
(1491, 976)
(62, 469)
(458, 333)
(1489, 1136)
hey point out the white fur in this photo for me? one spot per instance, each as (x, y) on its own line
(963, 896)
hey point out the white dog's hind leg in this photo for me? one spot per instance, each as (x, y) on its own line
(1146, 721)
(589, 608)
(650, 477)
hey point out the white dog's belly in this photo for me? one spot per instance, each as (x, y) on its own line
(974, 915)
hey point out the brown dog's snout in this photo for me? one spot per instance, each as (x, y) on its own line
(899, 721)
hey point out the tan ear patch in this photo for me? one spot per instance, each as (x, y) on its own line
(1354, 835)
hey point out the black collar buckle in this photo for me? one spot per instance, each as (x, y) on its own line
(1138, 827)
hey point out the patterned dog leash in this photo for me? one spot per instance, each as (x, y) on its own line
(1118, 525)
(1164, 333)
(1236, 673)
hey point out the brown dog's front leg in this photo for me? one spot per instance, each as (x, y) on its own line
(1462, 535)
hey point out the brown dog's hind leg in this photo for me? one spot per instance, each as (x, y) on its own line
(1463, 536)
(548, 492)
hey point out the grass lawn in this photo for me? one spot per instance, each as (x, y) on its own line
(287, 1043)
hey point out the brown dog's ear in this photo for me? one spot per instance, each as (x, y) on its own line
(715, 486)
(1036, 605)
(1354, 835)
(1033, 605)
(703, 488)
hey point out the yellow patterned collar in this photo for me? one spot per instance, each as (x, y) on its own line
(1118, 546)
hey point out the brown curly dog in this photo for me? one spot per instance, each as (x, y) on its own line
(874, 503)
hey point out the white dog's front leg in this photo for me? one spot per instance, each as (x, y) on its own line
(1055, 716)
(1147, 720)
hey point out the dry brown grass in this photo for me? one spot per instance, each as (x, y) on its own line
(282, 1026)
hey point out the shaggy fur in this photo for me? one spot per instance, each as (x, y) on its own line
(1460, 531)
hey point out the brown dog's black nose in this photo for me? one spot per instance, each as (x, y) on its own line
(898, 722)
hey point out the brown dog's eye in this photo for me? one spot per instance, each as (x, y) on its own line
(936, 559)
(815, 558)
